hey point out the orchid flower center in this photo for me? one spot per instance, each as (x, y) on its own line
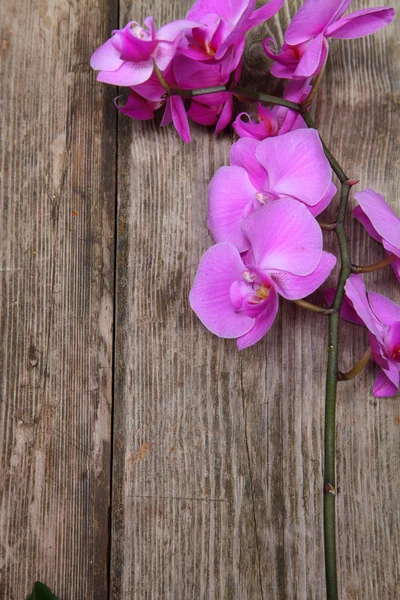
(139, 32)
(251, 294)
(263, 197)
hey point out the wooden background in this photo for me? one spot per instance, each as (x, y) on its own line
(141, 457)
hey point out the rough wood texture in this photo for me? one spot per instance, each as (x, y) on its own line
(56, 303)
(217, 454)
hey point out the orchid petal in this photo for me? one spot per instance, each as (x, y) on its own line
(243, 154)
(361, 23)
(311, 19)
(128, 74)
(357, 294)
(383, 387)
(203, 114)
(295, 287)
(106, 58)
(265, 12)
(347, 311)
(230, 192)
(387, 311)
(382, 218)
(179, 118)
(263, 323)
(318, 208)
(225, 116)
(313, 58)
(284, 236)
(137, 107)
(296, 165)
(219, 268)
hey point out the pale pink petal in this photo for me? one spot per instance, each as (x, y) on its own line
(243, 154)
(311, 19)
(225, 116)
(361, 23)
(106, 58)
(284, 236)
(265, 12)
(179, 118)
(313, 58)
(295, 287)
(296, 165)
(382, 218)
(383, 387)
(347, 311)
(128, 74)
(318, 208)
(387, 311)
(229, 193)
(362, 217)
(357, 294)
(210, 299)
(262, 323)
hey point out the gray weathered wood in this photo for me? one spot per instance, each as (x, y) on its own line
(217, 454)
(56, 305)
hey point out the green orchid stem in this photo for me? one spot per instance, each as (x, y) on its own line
(332, 376)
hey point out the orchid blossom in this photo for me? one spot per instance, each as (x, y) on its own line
(237, 296)
(291, 165)
(381, 316)
(381, 223)
(306, 43)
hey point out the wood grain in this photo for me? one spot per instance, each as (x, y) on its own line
(217, 454)
(56, 304)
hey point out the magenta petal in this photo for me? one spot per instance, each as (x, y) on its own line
(384, 221)
(296, 165)
(265, 12)
(137, 107)
(295, 287)
(383, 387)
(175, 29)
(310, 20)
(202, 114)
(106, 58)
(360, 23)
(229, 193)
(167, 116)
(225, 116)
(347, 311)
(263, 323)
(128, 74)
(313, 58)
(284, 236)
(179, 118)
(243, 154)
(396, 268)
(219, 268)
(230, 10)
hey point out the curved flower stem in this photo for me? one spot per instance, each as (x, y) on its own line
(313, 307)
(356, 370)
(376, 266)
(307, 102)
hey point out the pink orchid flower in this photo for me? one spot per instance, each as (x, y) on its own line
(381, 223)
(238, 296)
(381, 316)
(128, 57)
(291, 165)
(278, 120)
(221, 35)
(306, 40)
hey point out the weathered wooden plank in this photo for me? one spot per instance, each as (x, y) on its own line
(56, 305)
(218, 454)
